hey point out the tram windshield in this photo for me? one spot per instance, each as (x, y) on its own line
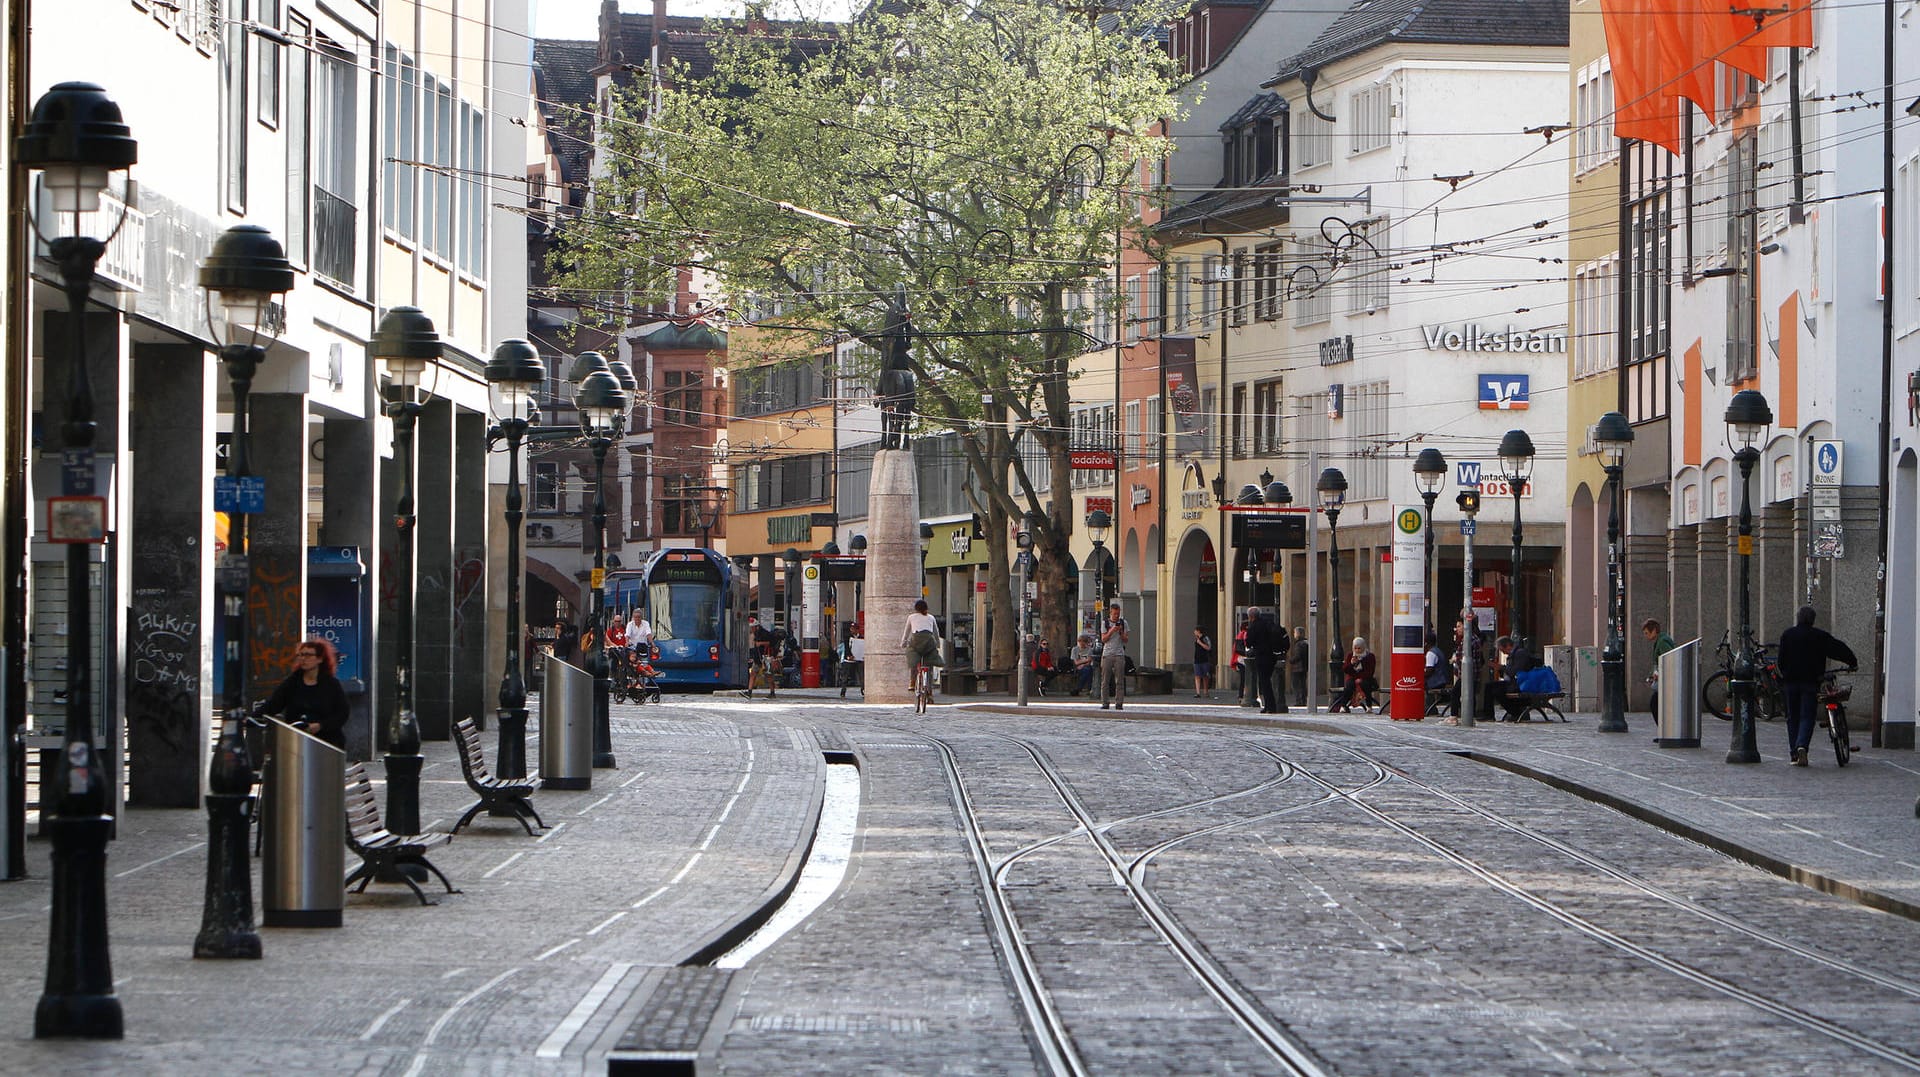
(686, 611)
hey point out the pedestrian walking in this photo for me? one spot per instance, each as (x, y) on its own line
(1267, 642)
(1802, 658)
(1113, 660)
(1662, 643)
(1298, 654)
(1202, 664)
(1243, 660)
(565, 639)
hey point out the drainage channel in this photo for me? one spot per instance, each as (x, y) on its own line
(823, 872)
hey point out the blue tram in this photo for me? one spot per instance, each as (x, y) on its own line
(697, 601)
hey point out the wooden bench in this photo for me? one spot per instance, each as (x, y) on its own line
(1521, 706)
(382, 853)
(511, 795)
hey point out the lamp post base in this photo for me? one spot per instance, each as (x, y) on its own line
(79, 1002)
(511, 761)
(226, 924)
(1613, 692)
(1744, 748)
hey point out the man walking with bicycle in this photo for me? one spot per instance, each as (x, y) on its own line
(1804, 651)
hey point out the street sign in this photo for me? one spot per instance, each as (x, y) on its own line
(238, 495)
(1270, 531)
(1023, 560)
(1826, 463)
(1466, 473)
(76, 471)
(1467, 526)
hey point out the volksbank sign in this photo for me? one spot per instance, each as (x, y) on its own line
(1480, 338)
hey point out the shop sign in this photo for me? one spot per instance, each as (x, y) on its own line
(1480, 338)
(1503, 392)
(1091, 459)
(1336, 350)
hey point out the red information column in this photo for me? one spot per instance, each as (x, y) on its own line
(1408, 669)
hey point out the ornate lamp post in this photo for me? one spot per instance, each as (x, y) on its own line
(1332, 488)
(1098, 524)
(515, 372)
(75, 140)
(1516, 467)
(1748, 418)
(1614, 436)
(243, 276)
(406, 344)
(597, 393)
(1430, 473)
(1023, 541)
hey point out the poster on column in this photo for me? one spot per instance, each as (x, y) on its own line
(1408, 661)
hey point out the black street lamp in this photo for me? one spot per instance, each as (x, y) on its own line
(1430, 473)
(1332, 488)
(75, 140)
(602, 403)
(791, 559)
(1748, 418)
(406, 344)
(1023, 542)
(243, 276)
(1613, 435)
(1516, 467)
(1098, 524)
(515, 372)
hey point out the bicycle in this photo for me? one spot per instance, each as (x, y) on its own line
(1716, 695)
(922, 687)
(1833, 697)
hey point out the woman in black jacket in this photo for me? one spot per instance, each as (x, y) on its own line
(311, 699)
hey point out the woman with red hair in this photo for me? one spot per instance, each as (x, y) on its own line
(311, 699)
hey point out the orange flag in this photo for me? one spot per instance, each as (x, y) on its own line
(1791, 30)
(1644, 108)
(1685, 68)
(1725, 36)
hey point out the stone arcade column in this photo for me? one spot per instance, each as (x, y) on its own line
(434, 568)
(1716, 589)
(1654, 585)
(170, 587)
(351, 517)
(893, 573)
(1776, 570)
(474, 694)
(277, 541)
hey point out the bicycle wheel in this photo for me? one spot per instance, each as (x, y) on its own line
(1837, 729)
(1715, 697)
(1769, 700)
(922, 689)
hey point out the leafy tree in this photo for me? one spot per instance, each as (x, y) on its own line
(982, 159)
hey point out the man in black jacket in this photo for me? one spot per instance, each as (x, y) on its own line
(1266, 643)
(1804, 651)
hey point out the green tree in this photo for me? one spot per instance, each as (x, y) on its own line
(983, 159)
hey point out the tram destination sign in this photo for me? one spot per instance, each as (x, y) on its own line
(1270, 531)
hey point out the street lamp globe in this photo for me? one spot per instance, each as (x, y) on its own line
(830, 548)
(926, 536)
(1430, 472)
(244, 275)
(1098, 523)
(1748, 418)
(1516, 458)
(1332, 487)
(1613, 436)
(406, 343)
(601, 402)
(1250, 495)
(584, 364)
(1277, 493)
(515, 373)
(76, 138)
(857, 545)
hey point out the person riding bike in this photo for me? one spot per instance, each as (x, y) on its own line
(1802, 659)
(922, 639)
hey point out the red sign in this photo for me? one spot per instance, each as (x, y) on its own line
(1092, 459)
(1100, 504)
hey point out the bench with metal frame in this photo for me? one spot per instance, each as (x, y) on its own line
(1521, 706)
(511, 795)
(382, 853)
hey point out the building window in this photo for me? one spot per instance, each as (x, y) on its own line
(1906, 203)
(400, 141)
(1312, 139)
(1134, 429)
(233, 79)
(1367, 283)
(680, 504)
(1266, 283)
(1238, 423)
(779, 387)
(1594, 144)
(1131, 315)
(1182, 277)
(436, 110)
(1268, 399)
(1650, 222)
(473, 191)
(1212, 268)
(299, 137)
(1594, 314)
(267, 63)
(775, 484)
(544, 479)
(1366, 412)
(1371, 115)
(1150, 310)
(335, 231)
(681, 398)
(1741, 362)
(1312, 296)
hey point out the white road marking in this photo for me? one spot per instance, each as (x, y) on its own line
(604, 924)
(381, 1021)
(633, 779)
(557, 827)
(434, 1032)
(502, 866)
(550, 951)
(595, 804)
(161, 860)
(649, 897)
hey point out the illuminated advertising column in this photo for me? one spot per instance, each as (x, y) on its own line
(1408, 667)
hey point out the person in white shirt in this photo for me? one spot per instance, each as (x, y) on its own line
(640, 633)
(922, 637)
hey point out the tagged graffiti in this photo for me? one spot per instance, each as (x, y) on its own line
(160, 652)
(274, 630)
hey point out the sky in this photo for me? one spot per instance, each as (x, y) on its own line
(578, 19)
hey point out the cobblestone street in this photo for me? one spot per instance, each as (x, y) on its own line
(1373, 895)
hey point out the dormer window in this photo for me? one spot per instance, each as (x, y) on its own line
(1253, 153)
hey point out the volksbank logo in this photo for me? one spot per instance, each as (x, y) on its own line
(1480, 338)
(1503, 392)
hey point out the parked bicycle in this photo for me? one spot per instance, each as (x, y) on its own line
(1833, 698)
(1716, 695)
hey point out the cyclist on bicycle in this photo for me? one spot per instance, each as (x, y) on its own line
(922, 637)
(1804, 651)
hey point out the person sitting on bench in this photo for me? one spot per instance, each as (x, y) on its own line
(1357, 679)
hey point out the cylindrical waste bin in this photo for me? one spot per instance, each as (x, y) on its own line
(303, 864)
(1679, 697)
(566, 727)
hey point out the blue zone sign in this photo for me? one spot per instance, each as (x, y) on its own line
(1503, 392)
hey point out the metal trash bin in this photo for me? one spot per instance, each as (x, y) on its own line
(303, 863)
(566, 727)
(1679, 697)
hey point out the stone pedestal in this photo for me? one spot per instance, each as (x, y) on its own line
(893, 573)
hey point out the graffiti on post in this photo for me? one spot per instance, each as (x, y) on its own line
(274, 630)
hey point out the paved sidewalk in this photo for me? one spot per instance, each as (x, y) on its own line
(546, 938)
